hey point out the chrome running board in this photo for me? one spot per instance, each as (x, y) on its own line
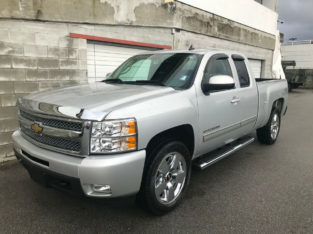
(208, 159)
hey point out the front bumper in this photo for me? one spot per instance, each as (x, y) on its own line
(121, 172)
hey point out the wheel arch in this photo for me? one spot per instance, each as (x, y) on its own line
(183, 133)
(278, 104)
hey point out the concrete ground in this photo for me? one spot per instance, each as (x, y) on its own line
(261, 189)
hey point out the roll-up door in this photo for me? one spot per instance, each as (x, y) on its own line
(256, 66)
(104, 58)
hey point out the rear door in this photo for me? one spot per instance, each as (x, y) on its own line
(219, 112)
(247, 93)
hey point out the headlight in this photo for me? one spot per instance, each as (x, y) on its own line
(113, 136)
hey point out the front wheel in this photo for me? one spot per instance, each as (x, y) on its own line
(166, 178)
(269, 133)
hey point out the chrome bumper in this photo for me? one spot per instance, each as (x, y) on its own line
(121, 172)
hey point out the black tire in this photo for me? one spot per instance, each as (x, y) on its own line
(265, 134)
(147, 196)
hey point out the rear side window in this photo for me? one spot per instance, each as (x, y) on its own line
(242, 72)
(218, 67)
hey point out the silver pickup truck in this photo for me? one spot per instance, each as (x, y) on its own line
(142, 129)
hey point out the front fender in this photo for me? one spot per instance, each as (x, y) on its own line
(159, 114)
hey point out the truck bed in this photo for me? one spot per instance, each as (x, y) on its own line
(269, 90)
(265, 79)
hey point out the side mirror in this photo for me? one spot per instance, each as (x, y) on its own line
(218, 83)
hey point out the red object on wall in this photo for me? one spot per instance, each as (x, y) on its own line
(118, 41)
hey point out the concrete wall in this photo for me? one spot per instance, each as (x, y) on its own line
(184, 39)
(248, 12)
(302, 54)
(34, 56)
(271, 4)
(36, 52)
(148, 13)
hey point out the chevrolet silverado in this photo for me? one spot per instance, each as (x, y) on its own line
(140, 131)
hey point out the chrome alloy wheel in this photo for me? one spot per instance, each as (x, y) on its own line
(275, 126)
(170, 178)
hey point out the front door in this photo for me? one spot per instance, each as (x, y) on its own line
(219, 112)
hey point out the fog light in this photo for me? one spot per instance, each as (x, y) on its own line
(104, 189)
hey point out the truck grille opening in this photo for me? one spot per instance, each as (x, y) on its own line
(56, 123)
(56, 142)
(43, 162)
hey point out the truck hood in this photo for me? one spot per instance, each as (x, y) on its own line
(96, 99)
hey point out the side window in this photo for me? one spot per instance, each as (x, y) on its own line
(219, 67)
(242, 72)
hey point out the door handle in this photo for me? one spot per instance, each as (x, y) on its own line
(235, 100)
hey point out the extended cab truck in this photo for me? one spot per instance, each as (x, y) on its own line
(141, 129)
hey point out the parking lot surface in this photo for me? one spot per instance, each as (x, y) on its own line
(260, 189)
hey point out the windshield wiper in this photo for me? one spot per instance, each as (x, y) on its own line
(115, 81)
(144, 82)
(149, 82)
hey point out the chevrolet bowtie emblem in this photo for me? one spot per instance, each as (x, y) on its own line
(36, 128)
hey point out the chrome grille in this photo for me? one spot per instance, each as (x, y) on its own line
(75, 126)
(52, 133)
(57, 142)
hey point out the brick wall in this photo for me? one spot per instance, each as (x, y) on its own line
(34, 56)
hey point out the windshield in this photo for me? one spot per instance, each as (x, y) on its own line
(175, 70)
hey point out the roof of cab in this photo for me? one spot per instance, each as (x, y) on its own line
(196, 51)
(202, 51)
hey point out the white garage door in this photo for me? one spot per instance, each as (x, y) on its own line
(256, 66)
(105, 58)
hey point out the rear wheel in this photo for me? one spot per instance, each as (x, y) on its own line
(166, 178)
(269, 133)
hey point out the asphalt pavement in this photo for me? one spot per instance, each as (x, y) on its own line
(260, 189)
